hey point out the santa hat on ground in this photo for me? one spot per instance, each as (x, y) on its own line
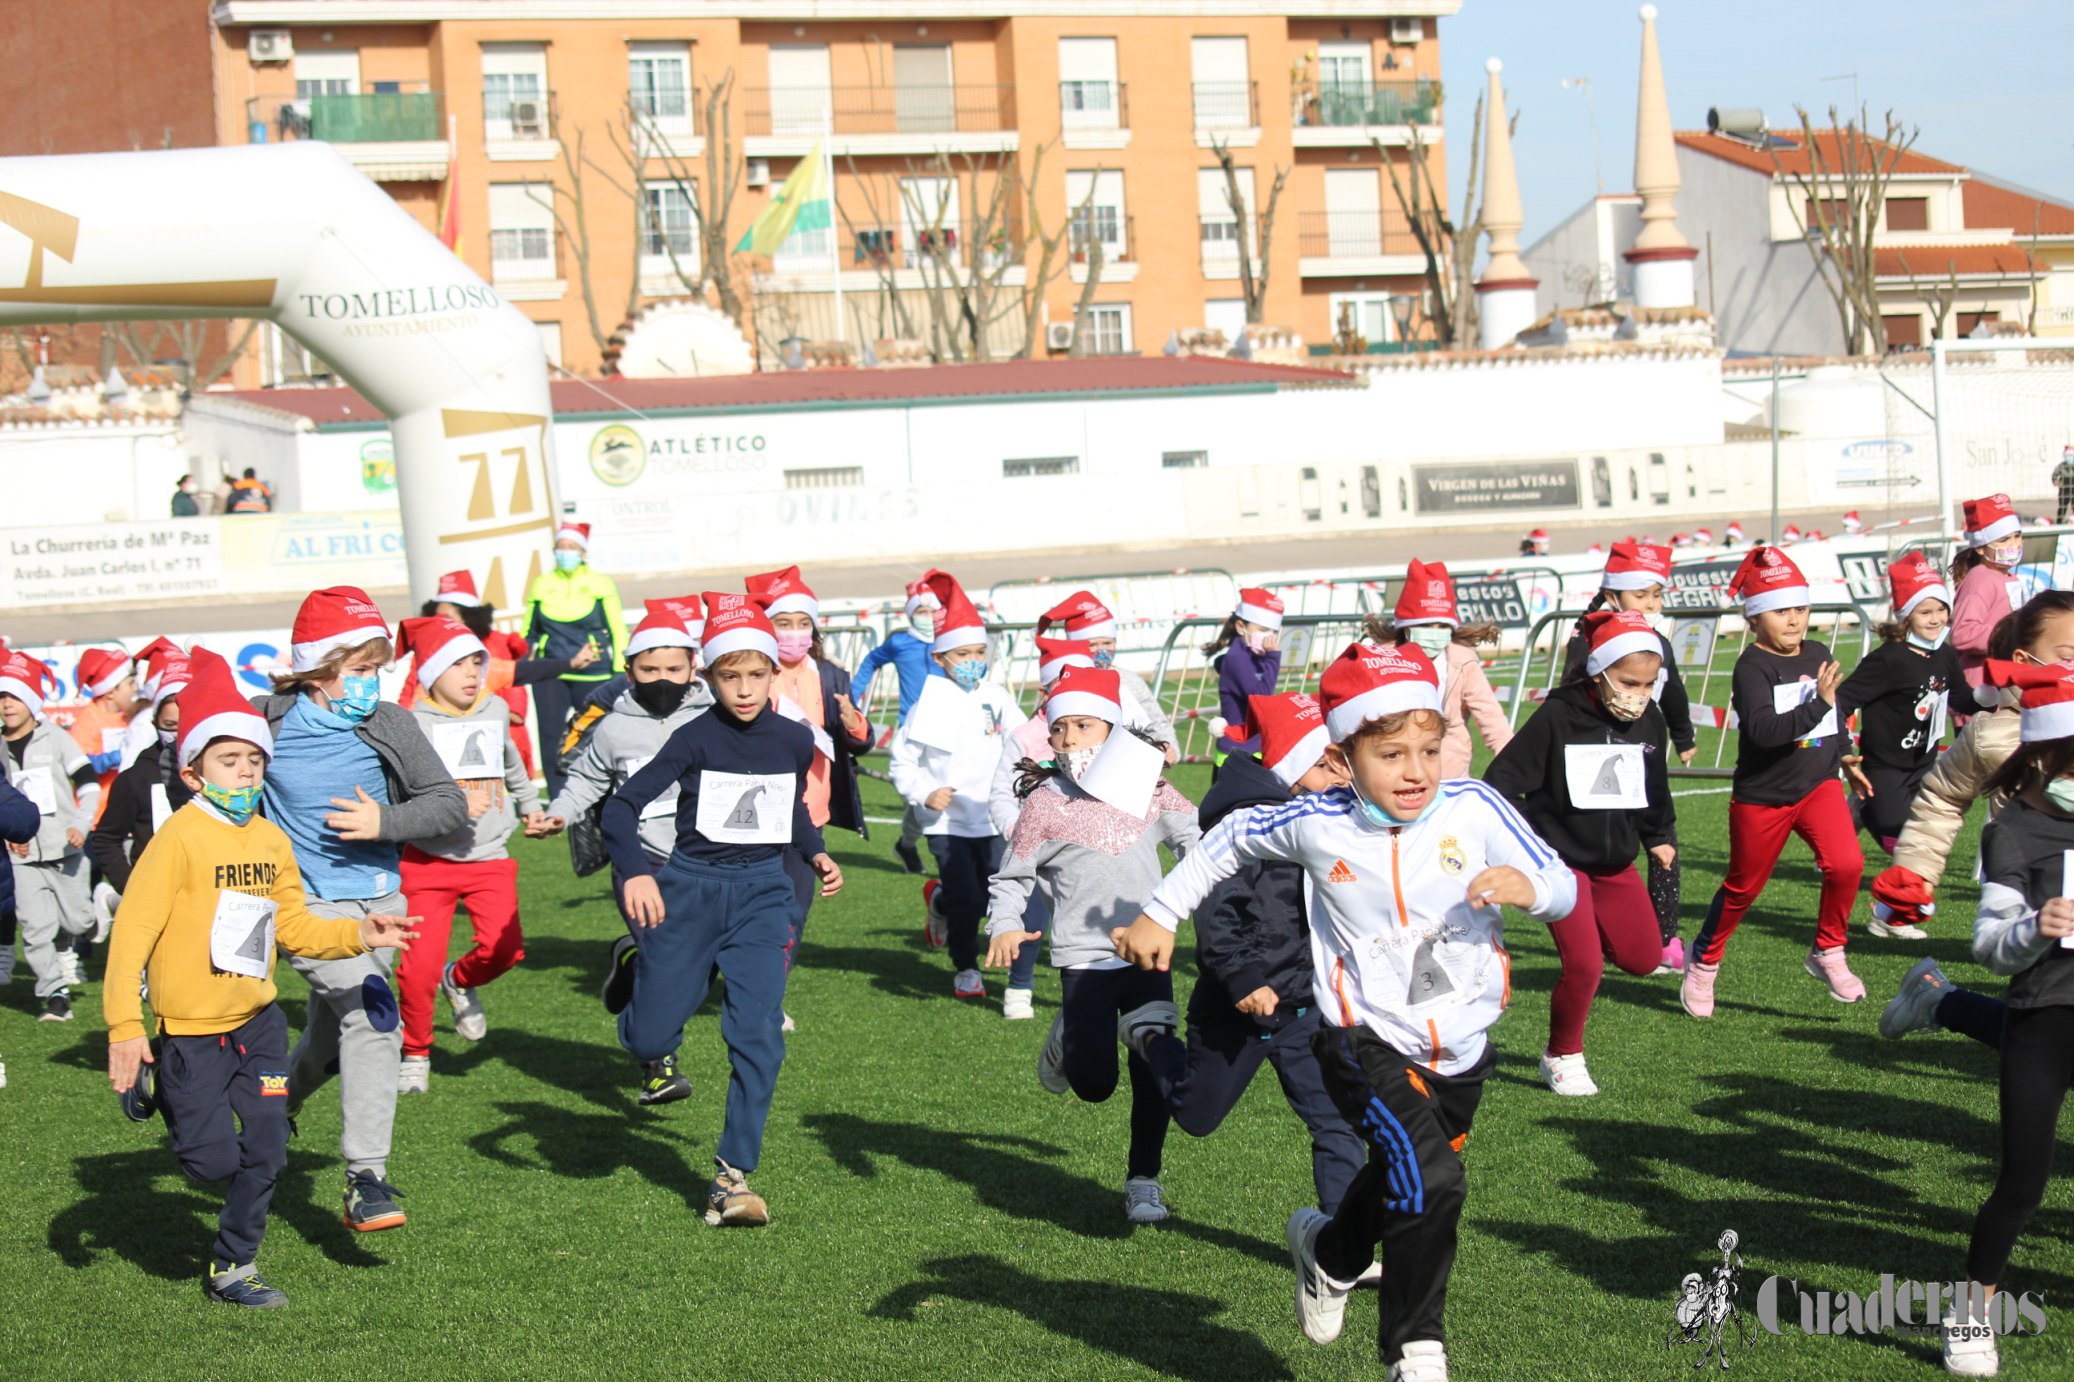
(1703, 537)
(1915, 580)
(213, 708)
(141, 659)
(1792, 534)
(1735, 531)
(1427, 597)
(2048, 697)
(1366, 683)
(959, 624)
(1990, 520)
(27, 679)
(101, 670)
(690, 613)
(437, 642)
(338, 617)
(1292, 733)
(737, 624)
(1637, 566)
(1081, 615)
(1257, 606)
(783, 592)
(165, 676)
(663, 627)
(1616, 633)
(572, 531)
(1853, 524)
(1055, 655)
(1768, 580)
(457, 588)
(920, 596)
(1096, 691)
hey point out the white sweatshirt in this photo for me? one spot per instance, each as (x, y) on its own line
(1394, 941)
(952, 738)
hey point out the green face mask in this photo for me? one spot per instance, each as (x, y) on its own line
(1432, 639)
(236, 803)
(2060, 792)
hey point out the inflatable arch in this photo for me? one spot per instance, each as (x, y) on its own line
(293, 234)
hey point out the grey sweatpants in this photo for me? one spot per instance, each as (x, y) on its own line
(352, 1030)
(50, 898)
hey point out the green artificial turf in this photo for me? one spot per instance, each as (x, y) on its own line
(936, 1214)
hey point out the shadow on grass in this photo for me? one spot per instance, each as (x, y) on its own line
(600, 1073)
(589, 1146)
(309, 1197)
(896, 965)
(1169, 1332)
(121, 1210)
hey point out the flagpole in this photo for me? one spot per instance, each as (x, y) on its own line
(835, 248)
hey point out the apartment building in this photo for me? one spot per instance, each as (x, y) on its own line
(569, 150)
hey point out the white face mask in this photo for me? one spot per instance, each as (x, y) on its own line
(1073, 762)
(2005, 553)
(1929, 645)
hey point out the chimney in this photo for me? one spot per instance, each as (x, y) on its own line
(1661, 259)
(1505, 293)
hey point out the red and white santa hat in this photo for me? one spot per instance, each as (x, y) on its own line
(1681, 540)
(1055, 655)
(1734, 531)
(783, 592)
(663, 626)
(1637, 566)
(737, 624)
(173, 671)
(1257, 606)
(27, 679)
(1081, 615)
(958, 625)
(457, 588)
(1427, 596)
(2048, 697)
(1539, 535)
(1096, 691)
(101, 670)
(1853, 524)
(1613, 634)
(1990, 520)
(1292, 733)
(436, 642)
(1914, 580)
(1768, 580)
(572, 531)
(338, 617)
(1595, 550)
(690, 613)
(1366, 683)
(141, 660)
(920, 596)
(1791, 534)
(1703, 537)
(214, 708)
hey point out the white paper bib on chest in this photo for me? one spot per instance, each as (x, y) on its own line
(747, 808)
(470, 749)
(1790, 696)
(161, 808)
(241, 938)
(1605, 777)
(665, 803)
(35, 784)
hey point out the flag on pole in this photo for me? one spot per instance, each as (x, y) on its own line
(450, 194)
(800, 203)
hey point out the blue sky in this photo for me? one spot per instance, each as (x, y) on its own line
(1988, 81)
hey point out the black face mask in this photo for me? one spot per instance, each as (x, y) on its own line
(659, 698)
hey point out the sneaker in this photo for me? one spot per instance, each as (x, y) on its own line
(469, 1019)
(731, 1204)
(788, 1025)
(242, 1286)
(1914, 1007)
(1828, 966)
(1696, 994)
(1371, 1276)
(618, 989)
(1321, 1302)
(75, 968)
(1136, 1028)
(935, 931)
(660, 1082)
(1889, 931)
(1567, 1075)
(106, 900)
(1051, 1058)
(910, 857)
(1423, 1360)
(966, 983)
(414, 1076)
(1673, 959)
(1969, 1351)
(56, 1008)
(1018, 1005)
(370, 1203)
(1143, 1201)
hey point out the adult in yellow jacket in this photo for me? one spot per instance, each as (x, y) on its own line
(570, 606)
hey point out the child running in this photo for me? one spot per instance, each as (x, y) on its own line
(50, 887)
(1984, 574)
(1247, 653)
(1092, 821)
(1788, 756)
(1588, 772)
(19, 823)
(1426, 615)
(147, 792)
(907, 652)
(1407, 873)
(200, 919)
(723, 901)
(1083, 618)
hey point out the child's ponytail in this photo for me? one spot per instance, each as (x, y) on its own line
(1470, 635)
(1225, 635)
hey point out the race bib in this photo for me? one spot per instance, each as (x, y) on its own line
(112, 739)
(1940, 706)
(161, 808)
(241, 938)
(2067, 888)
(1791, 696)
(747, 808)
(1605, 777)
(665, 804)
(35, 784)
(470, 749)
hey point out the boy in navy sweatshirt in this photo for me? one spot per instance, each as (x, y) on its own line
(723, 900)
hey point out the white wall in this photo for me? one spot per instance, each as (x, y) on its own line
(90, 472)
(1765, 293)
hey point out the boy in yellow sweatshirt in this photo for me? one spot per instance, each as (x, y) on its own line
(198, 924)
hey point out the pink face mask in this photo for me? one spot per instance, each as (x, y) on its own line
(794, 645)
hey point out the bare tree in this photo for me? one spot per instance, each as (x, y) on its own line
(568, 202)
(1075, 230)
(184, 340)
(1448, 245)
(1252, 276)
(1836, 203)
(711, 198)
(1085, 301)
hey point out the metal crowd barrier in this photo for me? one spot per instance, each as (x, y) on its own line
(1185, 684)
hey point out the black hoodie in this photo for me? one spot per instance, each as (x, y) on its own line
(1252, 930)
(1532, 773)
(127, 823)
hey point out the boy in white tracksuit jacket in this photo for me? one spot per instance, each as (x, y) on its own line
(1406, 873)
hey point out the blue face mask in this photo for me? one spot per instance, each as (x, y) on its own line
(566, 560)
(357, 698)
(1105, 657)
(970, 673)
(1929, 645)
(1377, 816)
(236, 803)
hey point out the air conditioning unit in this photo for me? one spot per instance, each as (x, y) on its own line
(527, 118)
(1407, 30)
(757, 172)
(269, 45)
(1058, 336)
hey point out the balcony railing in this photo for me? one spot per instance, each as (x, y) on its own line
(375, 117)
(808, 110)
(1350, 235)
(1094, 106)
(1227, 105)
(1368, 103)
(900, 247)
(1117, 235)
(1218, 239)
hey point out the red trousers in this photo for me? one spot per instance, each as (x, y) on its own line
(1613, 917)
(433, 888)
(1756, 835)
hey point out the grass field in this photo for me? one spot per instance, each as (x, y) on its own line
(938, 1215)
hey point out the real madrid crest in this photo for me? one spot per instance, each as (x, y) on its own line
(1452, 860)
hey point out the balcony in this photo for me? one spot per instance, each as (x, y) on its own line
(1226, 113)
(911, 256)
(392, 136)
(1338, 244)
(1343, 114)
(787, 122)
(518, 125)
(1118, 237)
(1094, 115)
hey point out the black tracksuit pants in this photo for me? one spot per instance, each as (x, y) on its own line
(2037, 1067)
(225, 1101)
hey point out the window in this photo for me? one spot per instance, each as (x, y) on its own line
(1353, 214)
(1223, 91)
(1089, 97)
(1040, 466)
(659, 84)
(334, 73)
(671, 228)
(1219, 224)
(1367, 313)
(1908, 213)
(1096, 201)
(1827, 211)
(826, 477)
(522, 231)
(1903, 329)
(1970, 320)
(1109, 329)
(924, 101)
(929, 212)
(1184, 460)
(514, 90)
(800, 92)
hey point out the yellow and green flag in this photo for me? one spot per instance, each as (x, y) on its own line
(800, 203)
